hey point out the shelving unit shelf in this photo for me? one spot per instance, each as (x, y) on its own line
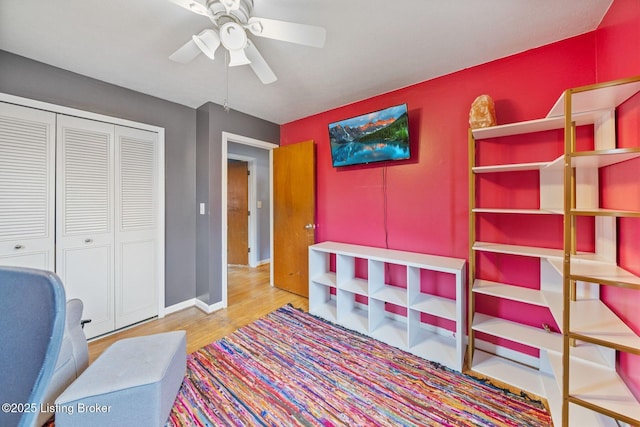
(361, 304)
(576, 368)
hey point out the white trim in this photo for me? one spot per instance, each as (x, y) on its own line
(263, 261)
(271, 217)
(208, 309)
(252, 218)
(124, 328)
(180, 306)
(32, 103)
(239, 139)
(161, 226)
(26, 102)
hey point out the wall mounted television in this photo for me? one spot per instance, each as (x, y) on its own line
(375, 137)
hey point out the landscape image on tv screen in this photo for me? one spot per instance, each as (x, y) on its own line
(374, 137)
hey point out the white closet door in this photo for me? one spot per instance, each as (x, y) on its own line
(84, 217)
(136, 251)
(27, 139)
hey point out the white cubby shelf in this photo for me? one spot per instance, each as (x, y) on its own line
(360, 304)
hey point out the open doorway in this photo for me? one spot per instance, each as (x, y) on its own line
(257, 154)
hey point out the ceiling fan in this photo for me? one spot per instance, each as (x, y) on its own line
(232, 19)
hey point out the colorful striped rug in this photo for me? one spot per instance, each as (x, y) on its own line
(292, 369)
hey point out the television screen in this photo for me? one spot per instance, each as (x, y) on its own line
(374, 137)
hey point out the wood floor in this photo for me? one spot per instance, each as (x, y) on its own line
(249, 297)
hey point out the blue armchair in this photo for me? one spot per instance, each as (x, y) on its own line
(32, 316)
(73, 359)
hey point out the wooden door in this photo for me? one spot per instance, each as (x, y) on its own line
(237, 212)
(294, 184)
(136, 225)
(27, 177)
(84, 218)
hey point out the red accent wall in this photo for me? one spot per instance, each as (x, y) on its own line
(425, 208)
(427, 196)
(618, 56)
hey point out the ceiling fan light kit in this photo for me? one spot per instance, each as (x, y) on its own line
(232, 19)
(207, 41)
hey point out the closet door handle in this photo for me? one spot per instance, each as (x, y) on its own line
(87, 240)
(18, 246)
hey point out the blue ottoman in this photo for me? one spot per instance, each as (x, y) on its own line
(133, 383)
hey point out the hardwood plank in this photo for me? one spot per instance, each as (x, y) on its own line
(250, 297)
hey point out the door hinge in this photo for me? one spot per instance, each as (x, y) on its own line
(248, 172)
(248, 213)
(248, 250)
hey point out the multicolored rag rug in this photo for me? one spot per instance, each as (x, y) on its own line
(290, 368)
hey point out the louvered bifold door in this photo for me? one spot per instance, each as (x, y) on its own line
(85, 218)
(27, 138)
(136, 250)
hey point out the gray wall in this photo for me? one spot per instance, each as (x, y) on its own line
(23, 77)
(263, 231)
(212, 121)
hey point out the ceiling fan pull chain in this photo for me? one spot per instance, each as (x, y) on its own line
(226, 78)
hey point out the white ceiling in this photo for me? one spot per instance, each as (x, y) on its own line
(372, 47)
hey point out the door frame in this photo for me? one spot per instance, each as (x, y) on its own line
(252, 240)
(228, 137)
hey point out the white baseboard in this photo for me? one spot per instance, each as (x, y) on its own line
(208, 309)
(180, 306)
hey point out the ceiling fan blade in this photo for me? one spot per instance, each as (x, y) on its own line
(308, 35)
(195, 6)
(259, 65)
(187, 53)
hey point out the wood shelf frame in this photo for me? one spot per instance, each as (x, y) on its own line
(570, 280)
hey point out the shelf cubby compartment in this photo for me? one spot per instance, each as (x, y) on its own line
(346, 275)
(322, 287)
(517, 332)
(592, 321)
(380, 290)
(594, 382)
(431, 342)
(529, 251)
(386, 326)
(322, 302)
(550, 183)
(434, 305)
(351, 313)
(510, 292)
(507, 371)
(593, 386)
(604, 273)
